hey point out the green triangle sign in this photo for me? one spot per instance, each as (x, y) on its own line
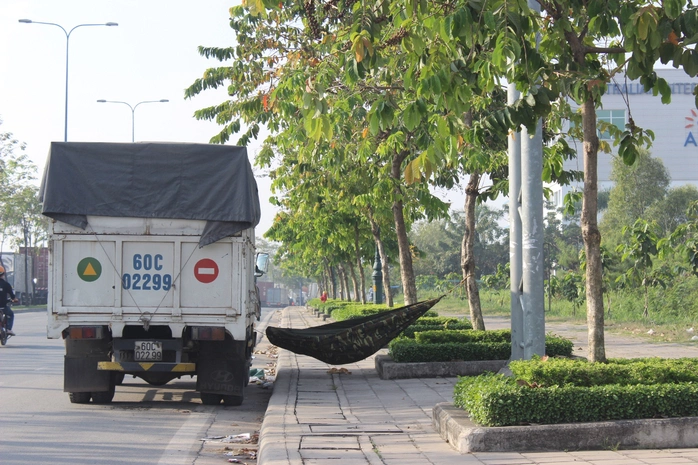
(89, 269)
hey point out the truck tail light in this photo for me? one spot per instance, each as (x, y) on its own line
(86, 332)
(208, 333)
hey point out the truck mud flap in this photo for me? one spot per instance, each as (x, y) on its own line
(222, 368)
(81, 375)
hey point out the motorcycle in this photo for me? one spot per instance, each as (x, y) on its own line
(4, 334)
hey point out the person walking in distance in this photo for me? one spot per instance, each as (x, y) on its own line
(7, 295)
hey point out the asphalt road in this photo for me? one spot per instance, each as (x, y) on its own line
(143, 425)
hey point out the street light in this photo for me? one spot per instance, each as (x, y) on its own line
(67, 44)
(133, 112)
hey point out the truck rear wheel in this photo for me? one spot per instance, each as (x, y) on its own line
(103, 397)
(79, 397)
(210, 399)
(233, 401)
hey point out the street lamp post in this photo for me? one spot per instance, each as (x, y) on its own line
(133, 112)
(67, 46)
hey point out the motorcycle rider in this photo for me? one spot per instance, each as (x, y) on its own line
(7, 295)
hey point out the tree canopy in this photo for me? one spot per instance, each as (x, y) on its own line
(20, 210)
(407, 91)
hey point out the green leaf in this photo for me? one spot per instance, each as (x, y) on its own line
(374, 123)
(666, 52)
(673, 8)
(642, 27)
(664, 90)
(411, 116)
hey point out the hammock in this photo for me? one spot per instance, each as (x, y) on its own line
(352, 340)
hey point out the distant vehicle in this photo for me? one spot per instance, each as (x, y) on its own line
(4, 333)
(272, 296)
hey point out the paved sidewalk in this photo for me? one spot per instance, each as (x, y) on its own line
(322, 414)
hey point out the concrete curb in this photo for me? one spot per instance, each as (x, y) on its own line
(389, 369)
(454, 426)
(272, 433)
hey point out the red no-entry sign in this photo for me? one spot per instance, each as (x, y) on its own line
(206, 270)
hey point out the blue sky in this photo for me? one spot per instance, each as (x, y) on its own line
(151, 55)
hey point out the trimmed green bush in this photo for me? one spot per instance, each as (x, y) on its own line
(617, 371)
(405, 350)
(331, 305)
(419, 328)
(429, 323)
(356, 311)
(349, 310)
(441, 321)
(557, 346)
(496, 400)
(462, 336)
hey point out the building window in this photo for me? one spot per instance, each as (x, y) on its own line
(614, 117)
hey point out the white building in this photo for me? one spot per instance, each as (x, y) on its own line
(675, 128)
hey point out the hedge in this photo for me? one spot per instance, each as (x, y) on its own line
(331, 305)
(496, 400)
(616, 371)
(341, 310)
(406, 350)
(356, 310)
(349, 312)
(432, 323)
(420, 328)
(432, 337)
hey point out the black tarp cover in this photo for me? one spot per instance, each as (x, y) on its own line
(152, 180)
(349, 341)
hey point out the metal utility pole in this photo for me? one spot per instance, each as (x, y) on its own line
(133, 111)
(67, 55)
(526, 246)
(533, 301)
(515, 255)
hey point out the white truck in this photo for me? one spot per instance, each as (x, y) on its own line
(153, 265)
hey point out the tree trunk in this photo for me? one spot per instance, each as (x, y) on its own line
(387, 290)
(345, 282)
(354, 282)
(468, 253)
(359, 264)
(592, 236)
(375, 230)
(403, 243)
(340, 277)
(646, 313)
(333, 279)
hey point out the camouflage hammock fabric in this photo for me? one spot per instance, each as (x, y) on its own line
(352, 340)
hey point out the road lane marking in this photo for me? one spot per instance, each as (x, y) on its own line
(184, 446)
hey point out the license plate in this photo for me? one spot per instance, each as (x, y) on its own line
(148, 351)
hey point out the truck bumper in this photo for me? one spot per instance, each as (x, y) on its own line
(132, 367)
